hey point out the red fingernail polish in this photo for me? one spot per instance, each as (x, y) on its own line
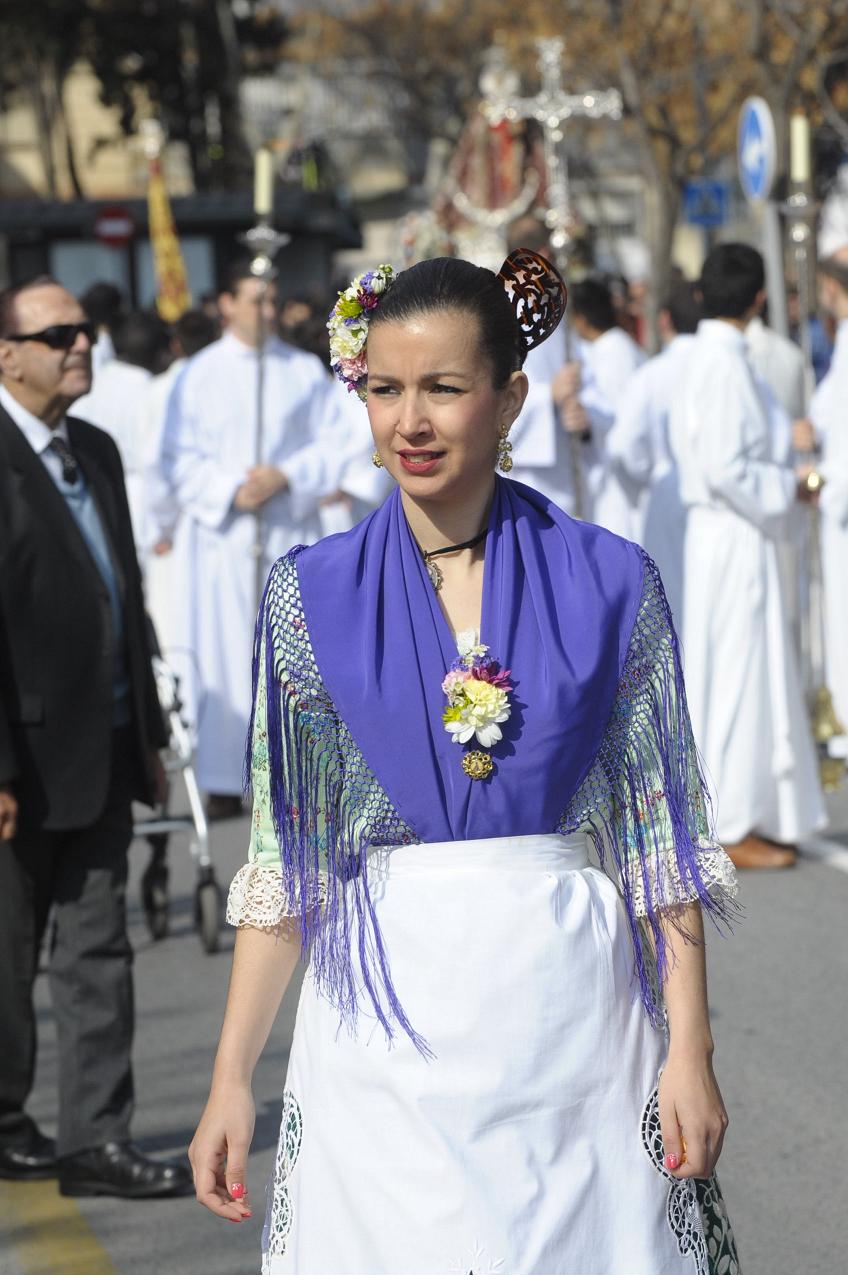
(672, 1161)
(237, 1190)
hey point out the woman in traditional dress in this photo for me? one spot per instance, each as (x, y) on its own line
(503, 1057)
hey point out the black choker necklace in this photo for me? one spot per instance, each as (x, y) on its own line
(436, 577)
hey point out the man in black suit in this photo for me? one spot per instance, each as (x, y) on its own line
(79, 729)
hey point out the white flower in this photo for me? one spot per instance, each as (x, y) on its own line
(479, 712)
(468, 644)
(347, 342)
(380, 279)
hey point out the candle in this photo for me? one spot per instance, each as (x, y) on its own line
(263, 182)
(799, 149)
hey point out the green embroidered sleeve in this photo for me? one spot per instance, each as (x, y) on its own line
(256, 895)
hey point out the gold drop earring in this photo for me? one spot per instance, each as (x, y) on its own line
(504, 450)
(376, 460)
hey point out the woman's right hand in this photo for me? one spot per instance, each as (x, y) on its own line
(219, 1150)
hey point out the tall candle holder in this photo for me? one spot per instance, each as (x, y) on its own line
(263, 243)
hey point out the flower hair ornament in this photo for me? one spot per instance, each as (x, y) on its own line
(348, 327)
(536, 292)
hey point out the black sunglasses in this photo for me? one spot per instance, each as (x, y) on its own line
(59, 336)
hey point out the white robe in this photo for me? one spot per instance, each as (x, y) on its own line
(209, 445)
(639, 449)
(780, 363)
(168, 577)
(829, 413)
(542, 455)
(116, 402)
(610, 361)
(363, 484)
(747, 709)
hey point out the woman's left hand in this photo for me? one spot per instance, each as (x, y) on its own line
(692, 1114)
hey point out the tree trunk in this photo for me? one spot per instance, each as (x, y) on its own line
(44, 125)
(662, 205)
(62, 115)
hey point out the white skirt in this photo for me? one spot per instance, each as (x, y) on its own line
(530, 1144)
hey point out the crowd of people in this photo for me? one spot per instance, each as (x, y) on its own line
(703, 454)
(602, 434)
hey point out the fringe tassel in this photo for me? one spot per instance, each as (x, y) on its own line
(657, 825)
(319, 828)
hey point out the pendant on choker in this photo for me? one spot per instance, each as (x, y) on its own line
(436, 577)
(433, 571)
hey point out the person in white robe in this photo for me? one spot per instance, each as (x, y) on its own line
(117, 402)
(224, 486)
(639, 444)
(104, 306)
(592, 392)
(779, 362)
(543, 454)
(167, 536)
(744, 690)
(362, 485)
(829, 421)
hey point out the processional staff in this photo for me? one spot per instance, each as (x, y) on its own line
(263, 243)
(552, 106)
(801, 210)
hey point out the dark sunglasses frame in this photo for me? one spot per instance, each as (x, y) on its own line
(59, 336)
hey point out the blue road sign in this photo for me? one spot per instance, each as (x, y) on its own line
(706, 202)
(757, 149)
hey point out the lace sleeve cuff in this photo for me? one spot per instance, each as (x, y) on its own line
(256, 897)
(661, 880)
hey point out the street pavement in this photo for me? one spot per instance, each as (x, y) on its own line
(778, 995)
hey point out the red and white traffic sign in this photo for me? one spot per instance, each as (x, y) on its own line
(114, 226)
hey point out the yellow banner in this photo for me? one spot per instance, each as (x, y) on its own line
(172, 293)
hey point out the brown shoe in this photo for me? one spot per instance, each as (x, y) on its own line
(754, 852)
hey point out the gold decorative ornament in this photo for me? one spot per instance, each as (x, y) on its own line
(827, 726)
(504, 450)
(376, 460)
(477, 765)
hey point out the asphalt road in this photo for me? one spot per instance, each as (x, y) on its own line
(778, 992)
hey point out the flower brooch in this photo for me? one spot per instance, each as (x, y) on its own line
(478, 702)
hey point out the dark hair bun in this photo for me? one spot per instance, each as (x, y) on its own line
(536, 292)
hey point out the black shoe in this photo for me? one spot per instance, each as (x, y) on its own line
(119, 1168)
(31, 1159)
(154, 898)
(223, 806)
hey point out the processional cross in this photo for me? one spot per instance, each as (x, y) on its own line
(552, 106)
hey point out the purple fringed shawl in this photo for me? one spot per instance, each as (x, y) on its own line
(353, 646)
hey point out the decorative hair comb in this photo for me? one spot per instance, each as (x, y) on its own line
(536, 292)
